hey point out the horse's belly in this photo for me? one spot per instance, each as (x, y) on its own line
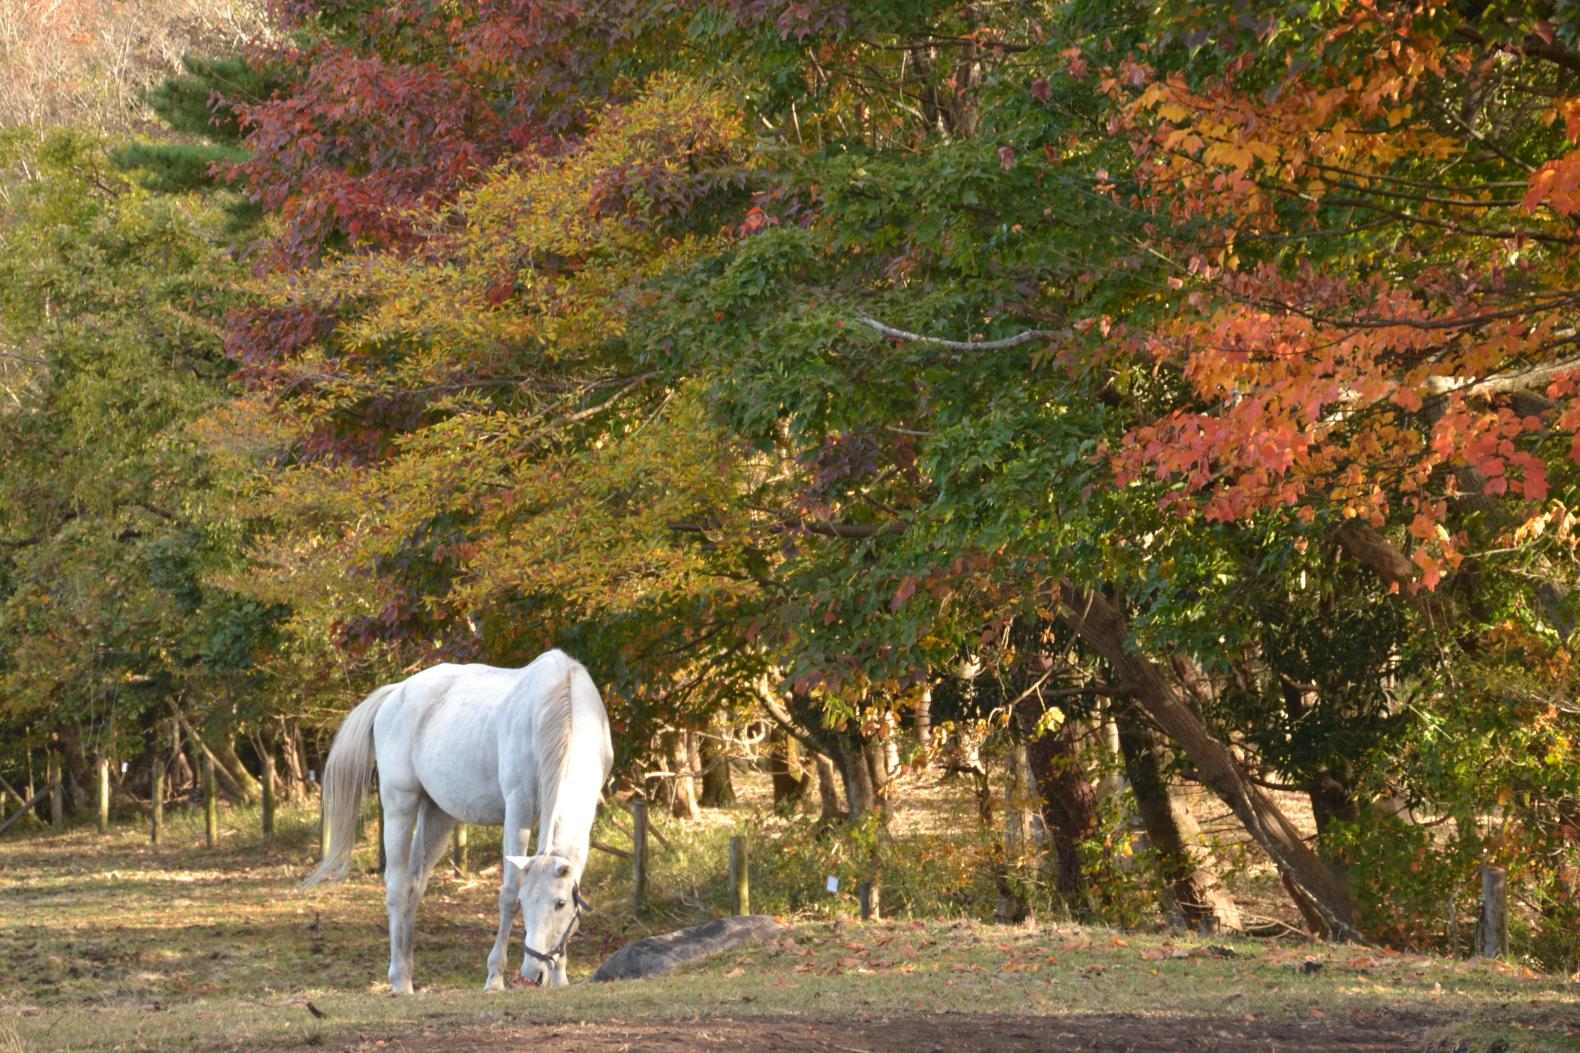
(456, 759)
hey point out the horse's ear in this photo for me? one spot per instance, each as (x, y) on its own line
(520, 861)
(563, 869)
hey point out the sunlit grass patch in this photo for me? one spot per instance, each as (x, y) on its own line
(108, 943)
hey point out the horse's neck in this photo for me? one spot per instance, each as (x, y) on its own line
(569, 816)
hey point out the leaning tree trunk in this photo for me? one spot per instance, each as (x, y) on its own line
(1159, 690)
(1190, 885)
(1069, 807)
(249, 788)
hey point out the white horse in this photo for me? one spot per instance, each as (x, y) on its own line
(480, 745)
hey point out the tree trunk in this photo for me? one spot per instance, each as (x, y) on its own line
(75, 776)
(248, 788)
(1020, 796)
(718, 791)
(879, 773)
(291, 757)
(1069, 807)
(1190, 885)
(1102, 627)
(791, 782)
(924, 720)
(829, 810)
(851, 757)
(1328, 790)
(682, 788)
(1111, 781)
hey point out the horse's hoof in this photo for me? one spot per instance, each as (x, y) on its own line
(495, 983)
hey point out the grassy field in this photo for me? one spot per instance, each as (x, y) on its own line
(109, 944)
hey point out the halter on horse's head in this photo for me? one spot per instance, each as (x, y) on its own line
(551, 909)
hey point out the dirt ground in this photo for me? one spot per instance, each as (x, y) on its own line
(940, 1033)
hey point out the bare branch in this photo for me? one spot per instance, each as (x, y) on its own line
(959, 345)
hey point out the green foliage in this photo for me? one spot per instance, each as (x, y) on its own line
(114, 298)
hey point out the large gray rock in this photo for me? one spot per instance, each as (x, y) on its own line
(659, 954)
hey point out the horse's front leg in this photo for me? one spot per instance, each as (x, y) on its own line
(515, 842)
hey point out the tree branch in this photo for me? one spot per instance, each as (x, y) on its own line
(959, 345)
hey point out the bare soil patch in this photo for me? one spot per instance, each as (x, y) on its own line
(939, 1033)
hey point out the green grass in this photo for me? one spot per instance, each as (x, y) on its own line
(107, 943)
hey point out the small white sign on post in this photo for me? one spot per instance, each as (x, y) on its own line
(123, 767)
(312, 775)
(832, 884)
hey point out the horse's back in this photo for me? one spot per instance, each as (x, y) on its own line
(441, 737)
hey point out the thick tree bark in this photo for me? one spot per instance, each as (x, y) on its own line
(1161, 691)
(682, 789)
(1069, 807)
(1190, 885)
(799, 718)
(1329, 789)
(829, 810)
(291, 756)
(791, 781)
(249, 788)
(850, 755)
(75, 776)
(1020, 796)
(718, 791)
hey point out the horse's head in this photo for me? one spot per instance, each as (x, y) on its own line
(551, 909)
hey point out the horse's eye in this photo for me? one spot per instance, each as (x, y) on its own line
(559, 904)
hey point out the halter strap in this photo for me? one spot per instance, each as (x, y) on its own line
(570, 927)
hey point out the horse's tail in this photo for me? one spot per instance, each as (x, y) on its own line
(347, 773)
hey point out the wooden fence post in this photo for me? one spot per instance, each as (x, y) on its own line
(638, 854)
(458, 849)
(102, 817)
(740, 885)
(268, 800)
(210, 802)
(156, 829)
(57, 797)
(1494, 941)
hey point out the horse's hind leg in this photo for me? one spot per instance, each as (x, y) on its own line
(432, 837)
(400, 817)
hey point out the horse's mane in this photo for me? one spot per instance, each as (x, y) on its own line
(554, 750)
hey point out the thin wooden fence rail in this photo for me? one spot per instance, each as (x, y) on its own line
(26, 807)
